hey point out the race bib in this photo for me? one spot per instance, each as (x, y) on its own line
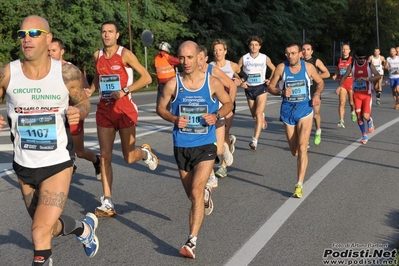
(394, 70)
(342, 71)
(38, 132)
(109, 84)
(254, 78)
(196, 124)
(298, 90)
(359, 86)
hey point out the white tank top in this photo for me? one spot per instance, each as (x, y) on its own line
(36, 109)
(393, 67)
(377, 64)
(255, 68)
(227, 69)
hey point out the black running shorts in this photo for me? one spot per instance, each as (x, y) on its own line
(188, 158)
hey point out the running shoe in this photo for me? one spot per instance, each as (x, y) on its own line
(97, 167)
(233, 140)
(341, 124)
(264, 124)
(370, 125)
(188, 250)
(208, 201)
(90, 243)
(253, 145)
(353, 117)
(363, 140)
(106, 209)
(221, 172)
(298, 191)
(212, 181)
(227, 156)
(317, 139)
(152, 159)
(378, 101)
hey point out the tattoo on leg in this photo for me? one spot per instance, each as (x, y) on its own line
(52, 199)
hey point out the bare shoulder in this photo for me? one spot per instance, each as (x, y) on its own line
(70, 73)
(235, 66)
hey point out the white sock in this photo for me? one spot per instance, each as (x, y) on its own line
(254, 140)
(300, 183)
(318, 131)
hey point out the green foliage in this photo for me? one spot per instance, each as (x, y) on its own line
(277, 22)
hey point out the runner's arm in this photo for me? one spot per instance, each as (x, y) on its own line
(325, 74)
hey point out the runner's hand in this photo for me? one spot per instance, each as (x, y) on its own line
(2, 122)
(73, 115)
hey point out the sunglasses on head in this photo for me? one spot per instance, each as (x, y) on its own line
(33, 33)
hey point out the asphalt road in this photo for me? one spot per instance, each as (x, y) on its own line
(350, 197)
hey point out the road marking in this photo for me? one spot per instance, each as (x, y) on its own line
(252, 247)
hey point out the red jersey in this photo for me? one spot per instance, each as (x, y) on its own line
(361, 71)
(343, 64)
(113, 74)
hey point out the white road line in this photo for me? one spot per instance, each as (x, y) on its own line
(252, 247)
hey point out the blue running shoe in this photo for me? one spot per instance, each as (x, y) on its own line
(90, 243)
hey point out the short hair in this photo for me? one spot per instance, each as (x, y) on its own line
(293, 44)
(308, 43)
(203, 49)
(254, 38)
(219, 41)
(361, 51)
(112, 23)
(60, 43)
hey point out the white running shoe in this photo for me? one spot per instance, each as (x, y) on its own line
(106, 208)
(152, 159)
(212, 181)
(233, 140)
(227, 156)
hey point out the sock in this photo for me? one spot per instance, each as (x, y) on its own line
(254, 140)
(353, 112)
(370, 120)
(41, 257)
(71, 226)
(378, 94)
(318, 131)
(97, 163)
(145, 156)
(300, 183)
(193, 239)
(362, 127)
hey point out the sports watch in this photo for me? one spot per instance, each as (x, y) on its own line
(126, 91)
(217, 115)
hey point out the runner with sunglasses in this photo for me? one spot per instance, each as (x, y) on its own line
(38, 91)
(364, 74)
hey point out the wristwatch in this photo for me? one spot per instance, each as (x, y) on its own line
(280, 93)
(217, 115)
(126, 91)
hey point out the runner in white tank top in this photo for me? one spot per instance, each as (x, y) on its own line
(379, 63)
(254, 64)
(38, 91)
(231, 69)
